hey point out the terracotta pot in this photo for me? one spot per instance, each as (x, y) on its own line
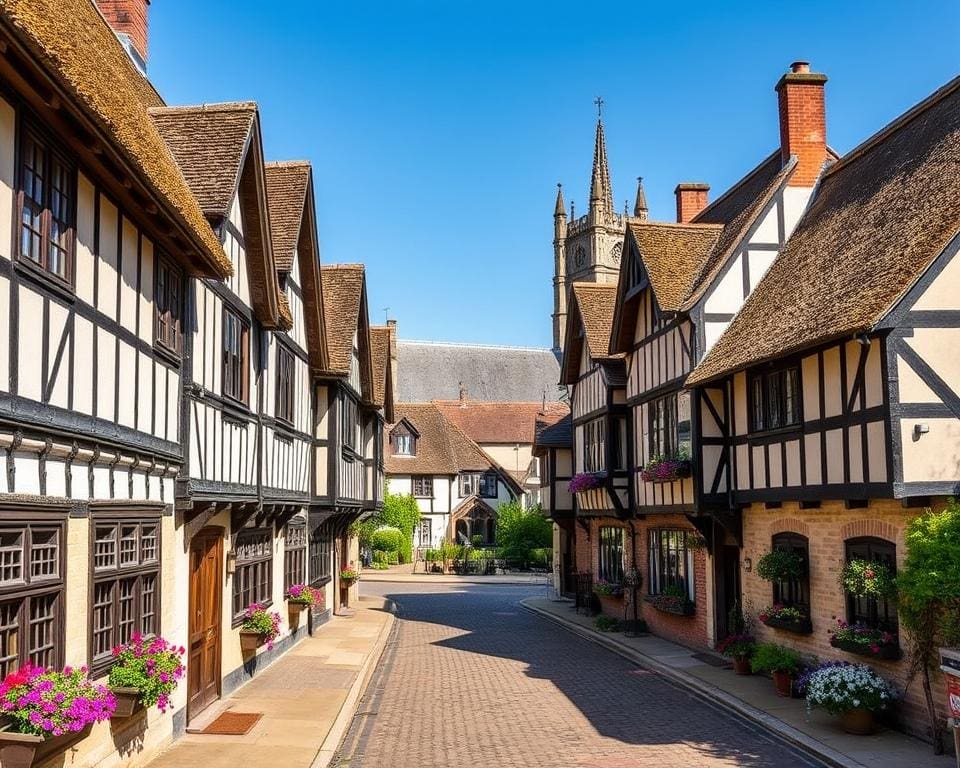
(250, 641)
(741, 665)
(128, 701)
(295, 608)
(783, 682)
(857, 721)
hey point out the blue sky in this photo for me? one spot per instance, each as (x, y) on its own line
(438, 130)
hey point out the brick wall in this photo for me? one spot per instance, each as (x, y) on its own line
(826, 529)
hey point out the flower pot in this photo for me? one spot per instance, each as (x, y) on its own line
(783, 682)
(889, 652)
(741, 665)
(21, 750)
(128, 701)
(250, 641)
(801, 626)
(857, 721)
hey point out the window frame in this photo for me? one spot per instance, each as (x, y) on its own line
(285, 396)
(24, 591)
(760, 399)
(611, 541)
(663, 434)
(242, 358)
(398, 433)
(594, 445)
(857, 607)
(295, 557)
(351, 436)
(168, 313)
(239, 586)
(661, 572)
(319, 552)
(30, 130)
(787, 592)
(118, 574)
(425, 490)
(479, 484)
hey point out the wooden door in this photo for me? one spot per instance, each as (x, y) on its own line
(203, 662)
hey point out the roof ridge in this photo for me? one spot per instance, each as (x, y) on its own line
(219, 106)
(695, 226)
(345, 267)
(898, 123)
(474, 345)
(287, 164)
(739, 183)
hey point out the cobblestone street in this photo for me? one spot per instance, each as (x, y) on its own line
(470, 677)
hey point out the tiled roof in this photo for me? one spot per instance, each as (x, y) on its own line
(880, 217)
(442, 449)
(591, 308)
(673, 254)
(287, 184)
(436, 370)
(382, 376)
(500, 422)
(558, 435)
(342, 300)
(209, 142)
(74, 44)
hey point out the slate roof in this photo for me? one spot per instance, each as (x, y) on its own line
(382, 374)
(880, 217)
(429, 370)
(505, 423)
(592, 306)
(342, 302)
(75, 45)
(287, 184)
(558, 435)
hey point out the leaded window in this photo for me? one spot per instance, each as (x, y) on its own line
(320, 550)
(793, 592)
(167, 298)
(775, 399)
(879, 614)
(663, 438)
(483, 484)
(253, 574)
(236, 350)
(670, 563)
(294, 555)
(350, 424)
(594, 445)
(611, 554)
(285, 383)
(126, 578)
(31, 595)
(422, 486)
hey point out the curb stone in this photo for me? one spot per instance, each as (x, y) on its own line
(348, 710)
(709, 693)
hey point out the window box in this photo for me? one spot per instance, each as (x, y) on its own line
(22, 750)
(250, 640)
(666, 469)
(678, 606)
(801, 626)
(587, 481)
(128, 701)
(886, 652)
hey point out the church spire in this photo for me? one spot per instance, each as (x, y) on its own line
(640, 206)
(558, 209)
(601, 192)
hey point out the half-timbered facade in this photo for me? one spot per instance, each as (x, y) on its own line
(829, 431)
(554, 447)
(458, 486)
(99, 237)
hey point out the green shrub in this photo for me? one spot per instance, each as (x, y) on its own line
(770, 657)
(379, 566)
(386, 539)
(521, 530)
(403, 513)
(607, 624)
(379, 556)
(541, 557)
(393, 558)
(431, 555)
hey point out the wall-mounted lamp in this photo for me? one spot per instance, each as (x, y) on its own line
(747, 564)
(231, 562)
(920, 429)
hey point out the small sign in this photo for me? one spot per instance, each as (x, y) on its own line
(953, 695)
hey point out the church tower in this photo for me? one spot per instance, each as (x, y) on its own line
(587, 249)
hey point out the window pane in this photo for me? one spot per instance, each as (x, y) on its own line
(43, 617)
(102, 618)
(105, 547)
(9, 636)
(11, 557)
(45, 554)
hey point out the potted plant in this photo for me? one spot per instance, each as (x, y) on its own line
(852, 691)
(865, 641)
(786, 617)
(45, 710)
(739, 648)
(666, 469)
(349, 576)
(780, 565)
(300, 597)
(145, 673)
(587, 481)
(259, 626)
(604, 588)
(781, 662)
(869, 579)
(673, 599)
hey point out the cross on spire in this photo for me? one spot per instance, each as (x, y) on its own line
(599, 103)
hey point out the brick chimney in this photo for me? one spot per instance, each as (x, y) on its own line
(691, 199)
(803, 122)
(129, 20)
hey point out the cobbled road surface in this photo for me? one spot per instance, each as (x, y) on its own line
(470, 678)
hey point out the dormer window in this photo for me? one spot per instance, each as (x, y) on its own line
(403, 441)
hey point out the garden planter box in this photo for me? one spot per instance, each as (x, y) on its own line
(886, 652)
(128, 702)
(741, 666)
(783, 683)
(22, 750)
(250, 641)
(797, 626)
(857, 721)
(612, 605)
(675, 607)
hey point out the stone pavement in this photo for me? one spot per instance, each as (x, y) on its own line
(753, 697)
(470, 677)
(307, 698)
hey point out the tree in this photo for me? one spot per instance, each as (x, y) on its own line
(929, 597)
(519, 530)
(401, 511)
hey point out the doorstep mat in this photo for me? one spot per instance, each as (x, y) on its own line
(233, 723)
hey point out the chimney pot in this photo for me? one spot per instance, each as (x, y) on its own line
(800, 67)
(692, 197)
